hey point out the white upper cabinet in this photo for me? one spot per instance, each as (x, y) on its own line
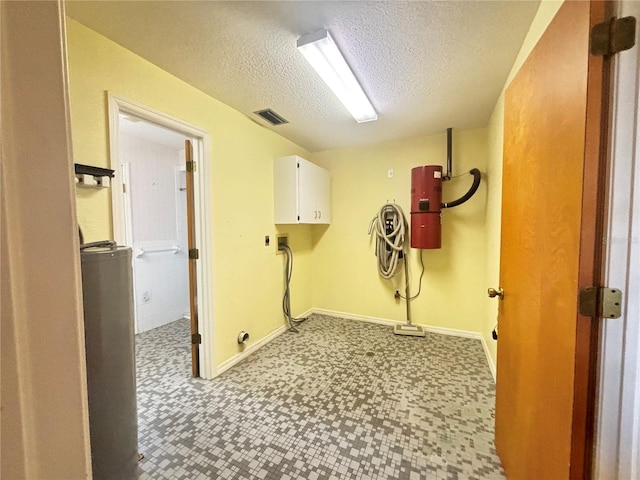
(301, 191)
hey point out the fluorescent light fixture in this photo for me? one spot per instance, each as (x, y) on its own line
(323, 54)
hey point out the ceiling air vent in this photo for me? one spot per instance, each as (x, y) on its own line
(272, 117)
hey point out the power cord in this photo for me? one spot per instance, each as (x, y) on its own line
(419, 281)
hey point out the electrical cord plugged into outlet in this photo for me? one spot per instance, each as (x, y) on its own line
(283, 242)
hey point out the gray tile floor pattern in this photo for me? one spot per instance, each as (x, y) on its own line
(339, 400)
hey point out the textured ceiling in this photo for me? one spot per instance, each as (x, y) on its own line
(424, 65)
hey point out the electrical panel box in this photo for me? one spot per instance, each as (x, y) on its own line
(301, 191)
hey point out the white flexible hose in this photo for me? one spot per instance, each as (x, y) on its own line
(388, 258)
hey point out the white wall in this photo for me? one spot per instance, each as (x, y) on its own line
(618, 425)
(158, 218)
(182, 268)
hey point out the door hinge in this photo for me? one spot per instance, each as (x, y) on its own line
(191, 166)
(600, 302)
(196, 339)
(613, 36)
(194, 254)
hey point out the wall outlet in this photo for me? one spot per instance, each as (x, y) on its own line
(283, 240)
(146, 297)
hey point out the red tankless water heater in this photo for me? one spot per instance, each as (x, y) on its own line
(426, 203)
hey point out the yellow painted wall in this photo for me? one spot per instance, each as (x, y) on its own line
(247, 276)
(545, 14)
(456, 277)
(493, 218)
(334, 266)
(344, 264)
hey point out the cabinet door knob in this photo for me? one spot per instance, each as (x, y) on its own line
(319, 213)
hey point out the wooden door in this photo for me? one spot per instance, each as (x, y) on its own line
(553, 185)
(193, 258)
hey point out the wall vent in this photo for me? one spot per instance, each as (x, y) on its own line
(270, 116)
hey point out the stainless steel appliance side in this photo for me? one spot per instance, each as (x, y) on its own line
(110, 350)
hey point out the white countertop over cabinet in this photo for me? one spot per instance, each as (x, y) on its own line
(301, 191)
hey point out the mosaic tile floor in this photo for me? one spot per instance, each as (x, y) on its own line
(339, 400)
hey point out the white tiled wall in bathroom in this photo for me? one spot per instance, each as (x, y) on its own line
(158, 217)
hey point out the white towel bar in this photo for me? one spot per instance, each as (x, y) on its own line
(140, 252)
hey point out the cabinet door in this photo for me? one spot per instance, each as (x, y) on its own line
(285, 185)
(323, 196)
(307, 173)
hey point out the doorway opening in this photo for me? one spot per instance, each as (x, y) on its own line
(152, 159)
(149, 199)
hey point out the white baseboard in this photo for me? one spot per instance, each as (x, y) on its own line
(238, 357)
(306, 314)
(385, 321)
(429, 328)
(492, 365)
(354, 316)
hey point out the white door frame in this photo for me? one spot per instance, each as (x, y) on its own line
(618, 409)
(203, 210)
